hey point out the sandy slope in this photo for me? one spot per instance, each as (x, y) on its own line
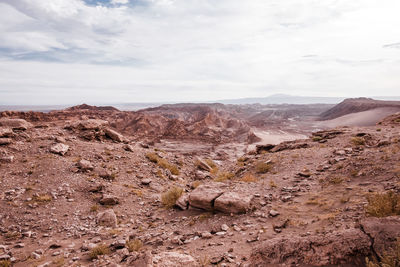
(364, 118)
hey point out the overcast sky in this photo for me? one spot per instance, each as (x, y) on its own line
(110, 51)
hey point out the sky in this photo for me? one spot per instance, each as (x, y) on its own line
(122, 51)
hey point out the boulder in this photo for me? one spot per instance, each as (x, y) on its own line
(5, 141)
(202, 165)
(346, 247)
(6, 132)
(174, 259)
(109, 200)
(106, 174)
(107, 218)
(6, 159)
(183, 202)
(90, 124)
(232, 202)
(383, 232)
(113, 135)
(59, 148)
(85, 165)
(203, 196)
(128, 147)
(15, 124)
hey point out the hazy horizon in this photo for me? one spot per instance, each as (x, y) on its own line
(66, 52)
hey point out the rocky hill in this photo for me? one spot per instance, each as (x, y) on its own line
(354, 105)
(84, 187)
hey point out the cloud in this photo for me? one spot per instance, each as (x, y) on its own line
(116, 2)
(191, 49)
(394, 45)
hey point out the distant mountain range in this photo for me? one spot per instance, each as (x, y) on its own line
(291, 99)
(272, 99)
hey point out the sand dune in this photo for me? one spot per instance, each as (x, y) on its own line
(364, 118)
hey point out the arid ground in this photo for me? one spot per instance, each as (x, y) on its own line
(202, 185)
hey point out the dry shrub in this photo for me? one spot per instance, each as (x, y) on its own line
(134, 245)
(336, 180)
(5, 263)
(94, 208)
(263, 167)
(272, 184)
(169, 198)
(248, 178)
(163, 163)
(223, 176)
(358, 141)
(99, 250)
(42, 198)
(383, 204)
(390, 258)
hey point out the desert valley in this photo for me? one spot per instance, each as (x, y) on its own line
(202, 185)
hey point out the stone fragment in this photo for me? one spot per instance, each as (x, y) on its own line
(202, 165)
(113, 135)
(59, 148)
(16, 124)
(183, 202)
(174, 259)
(85, 165)
(6, 159)
(109, 200)
(6, 132)
(107, 218)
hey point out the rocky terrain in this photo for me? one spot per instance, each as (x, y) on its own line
(174, 186)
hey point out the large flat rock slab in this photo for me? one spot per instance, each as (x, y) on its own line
(233, 202)
(203, 196)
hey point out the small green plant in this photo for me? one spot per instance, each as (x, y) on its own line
(383, 204)
(134, 245)
(99, 250)
(169, 198)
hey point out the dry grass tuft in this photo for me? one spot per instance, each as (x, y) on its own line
(134, 245)
(358, 141)
(43, 198)
(94, 208)
(263, 167)
(336, 180)
(390, 258)
(223, 176)
(58, 262)
(99, 250)
(383, 204)
(163, 163)
(169, 198)
(248, 178)
(5, 263)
